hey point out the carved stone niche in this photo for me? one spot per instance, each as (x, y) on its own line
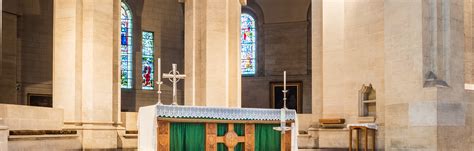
(367, 103)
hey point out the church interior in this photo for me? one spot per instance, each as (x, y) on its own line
(357, 74)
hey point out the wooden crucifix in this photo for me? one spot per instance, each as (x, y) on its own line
(174, 77)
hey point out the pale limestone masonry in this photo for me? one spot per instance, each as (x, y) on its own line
(283, 30)
(43, 143)
(35, 41)
(26, 55)
(425, 36)
(3, 137)
(391, 44)
(468, 43)
(86, 69)
(352, 54)
(212, 58)
(9, 54)
(316, 60)
(19, 117)
(129, 122)
(165, 18)
(28, 48)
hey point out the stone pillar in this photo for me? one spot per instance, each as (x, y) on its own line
(86, 69)
(316, 59)
(3, 136)
(425, 105)
(212, 47)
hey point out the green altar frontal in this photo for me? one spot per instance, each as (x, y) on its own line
(186, 128)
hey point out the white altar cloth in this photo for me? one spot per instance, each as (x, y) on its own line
(147, 128)
(147, 118)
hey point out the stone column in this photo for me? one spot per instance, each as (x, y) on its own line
(425, 106)
(85, 69)
(3, 136)
(212, 47)
(317, 59)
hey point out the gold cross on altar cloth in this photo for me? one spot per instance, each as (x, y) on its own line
(230, 139)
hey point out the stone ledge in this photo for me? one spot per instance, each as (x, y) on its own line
(329, 129)
(42, 132)
(131, 132)
(40, 137)
(304, 135)
(93, 127)
(3, 127)
(21, 117)
(130, 135)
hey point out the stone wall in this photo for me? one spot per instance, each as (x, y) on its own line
(36, 41)
(128, 138)
(422, 112)
(3, 137)
(353, 55)
(165, 19)
(27, 50)
(469, 62)
(10, 53)
(468, 43)
(282, 44)
(18, 117)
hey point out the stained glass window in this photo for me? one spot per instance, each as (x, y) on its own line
(248, 44)
(126, 46)
(147, 60)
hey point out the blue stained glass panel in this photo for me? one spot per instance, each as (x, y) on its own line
(126, 46)
(248, 44)
(148, 60)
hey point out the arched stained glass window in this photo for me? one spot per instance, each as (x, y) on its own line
(148, 60)
(126, 46)
(248, 38)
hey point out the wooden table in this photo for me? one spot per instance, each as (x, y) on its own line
(365, 129)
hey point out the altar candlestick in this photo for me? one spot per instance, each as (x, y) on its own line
(284, 90)
(284, 80)
(159, 82)
(159, 69)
